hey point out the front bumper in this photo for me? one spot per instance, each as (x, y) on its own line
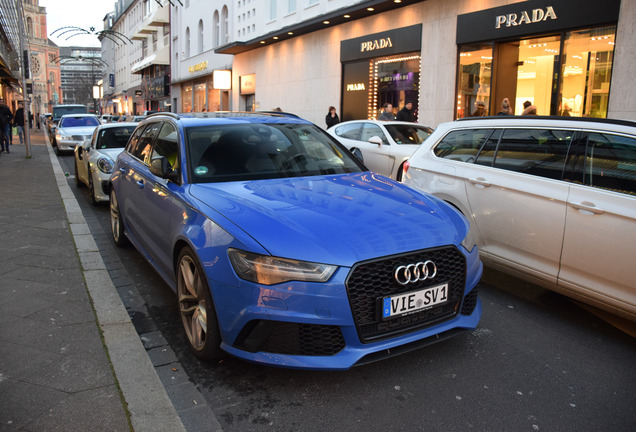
(312, 326)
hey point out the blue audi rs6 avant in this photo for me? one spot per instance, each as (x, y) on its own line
(283, 248)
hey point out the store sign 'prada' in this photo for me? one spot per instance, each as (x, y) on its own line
(376, 44)
(355, 87)
(525, 17)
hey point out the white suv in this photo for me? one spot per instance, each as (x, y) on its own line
(550, 200)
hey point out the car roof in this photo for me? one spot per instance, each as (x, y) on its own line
(226, 117)
(614, 125)
(79, 115)
(382, 122)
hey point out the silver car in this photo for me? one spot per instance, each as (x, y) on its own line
(73, 130)
(550, 200)
(383, 146)
(95, 158)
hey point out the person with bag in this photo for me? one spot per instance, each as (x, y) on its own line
(18, 120)
(5, 127)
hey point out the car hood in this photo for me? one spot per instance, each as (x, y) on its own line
(111, 153)
(340, 219)
(84, 130)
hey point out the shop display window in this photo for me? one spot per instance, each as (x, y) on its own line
(586, 70)
(474, 79)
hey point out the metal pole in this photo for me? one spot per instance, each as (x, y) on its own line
(25, 110)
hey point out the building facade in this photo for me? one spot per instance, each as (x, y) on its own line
(200, 77)
(80, 70)
(564, 57)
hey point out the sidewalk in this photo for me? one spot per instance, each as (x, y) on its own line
(70, 359)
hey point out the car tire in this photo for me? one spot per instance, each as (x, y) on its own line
(78, 182)
(91, 189)
(196, 307)
(57, 150)
(116, 222)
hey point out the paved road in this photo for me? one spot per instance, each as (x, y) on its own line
(537, 362)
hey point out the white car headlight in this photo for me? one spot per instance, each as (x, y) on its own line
(268, 270)
(105, 165)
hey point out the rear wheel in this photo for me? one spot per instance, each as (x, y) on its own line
(196, 307)
(116, 223)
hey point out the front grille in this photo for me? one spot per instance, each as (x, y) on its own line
(79, 137)
(470, 302)
(290, 338)
(370, 281)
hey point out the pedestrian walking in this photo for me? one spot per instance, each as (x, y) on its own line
(332, 118)
(406, 113)
(5, 127)
(387, 114)
(18, 120)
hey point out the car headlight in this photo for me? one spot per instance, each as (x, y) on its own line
(268, 270)
(62, 137)
(105, 165)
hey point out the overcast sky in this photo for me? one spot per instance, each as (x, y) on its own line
(76, 13)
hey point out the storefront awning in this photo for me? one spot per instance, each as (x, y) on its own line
(161, 57)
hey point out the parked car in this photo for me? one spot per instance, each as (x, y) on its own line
(106, 118)
(550, 200)
(384, 146)
(73, 129)
(95, 158)
(283, 248)
(132, 118)
(58, 112)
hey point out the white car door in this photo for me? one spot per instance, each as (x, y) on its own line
(377, 157)
(600, 233)
(517, 200)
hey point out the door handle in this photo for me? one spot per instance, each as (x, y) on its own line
(122, 170)
(587, 206)
(479, 181)
(140, 184)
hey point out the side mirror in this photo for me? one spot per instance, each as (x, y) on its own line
(376, 140)
(162, 168)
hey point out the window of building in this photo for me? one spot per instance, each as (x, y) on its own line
(225, 30)
(187, 42)
(291, 6)
(272, 9)
(29, 26)
(200, 38)
(215, 24)
(565, 74)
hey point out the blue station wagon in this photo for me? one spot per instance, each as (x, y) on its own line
(283, 248)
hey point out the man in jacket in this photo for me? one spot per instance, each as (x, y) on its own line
(5, 127)
(387, 114)
(406, 113)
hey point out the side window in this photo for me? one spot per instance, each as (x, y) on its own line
(611, 163)
(142, 149)
(462, 145)
(166, 145)
(539, 152)
(486, 156)
(134, 140)
(350, 131)
(370, 130)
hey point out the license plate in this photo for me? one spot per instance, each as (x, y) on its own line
(414, 301)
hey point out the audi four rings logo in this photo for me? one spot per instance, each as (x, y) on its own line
(415, 272)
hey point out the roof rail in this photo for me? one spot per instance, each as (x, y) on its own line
(536, 117)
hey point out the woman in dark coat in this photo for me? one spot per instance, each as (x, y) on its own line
(332, 118)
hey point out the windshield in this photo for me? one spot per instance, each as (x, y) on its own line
(114, 137)
(67, 122)
(60, 111)
(260, 151)
(407, 134)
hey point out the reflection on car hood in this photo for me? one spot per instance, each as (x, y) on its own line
(339, 219)
(82, 130)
